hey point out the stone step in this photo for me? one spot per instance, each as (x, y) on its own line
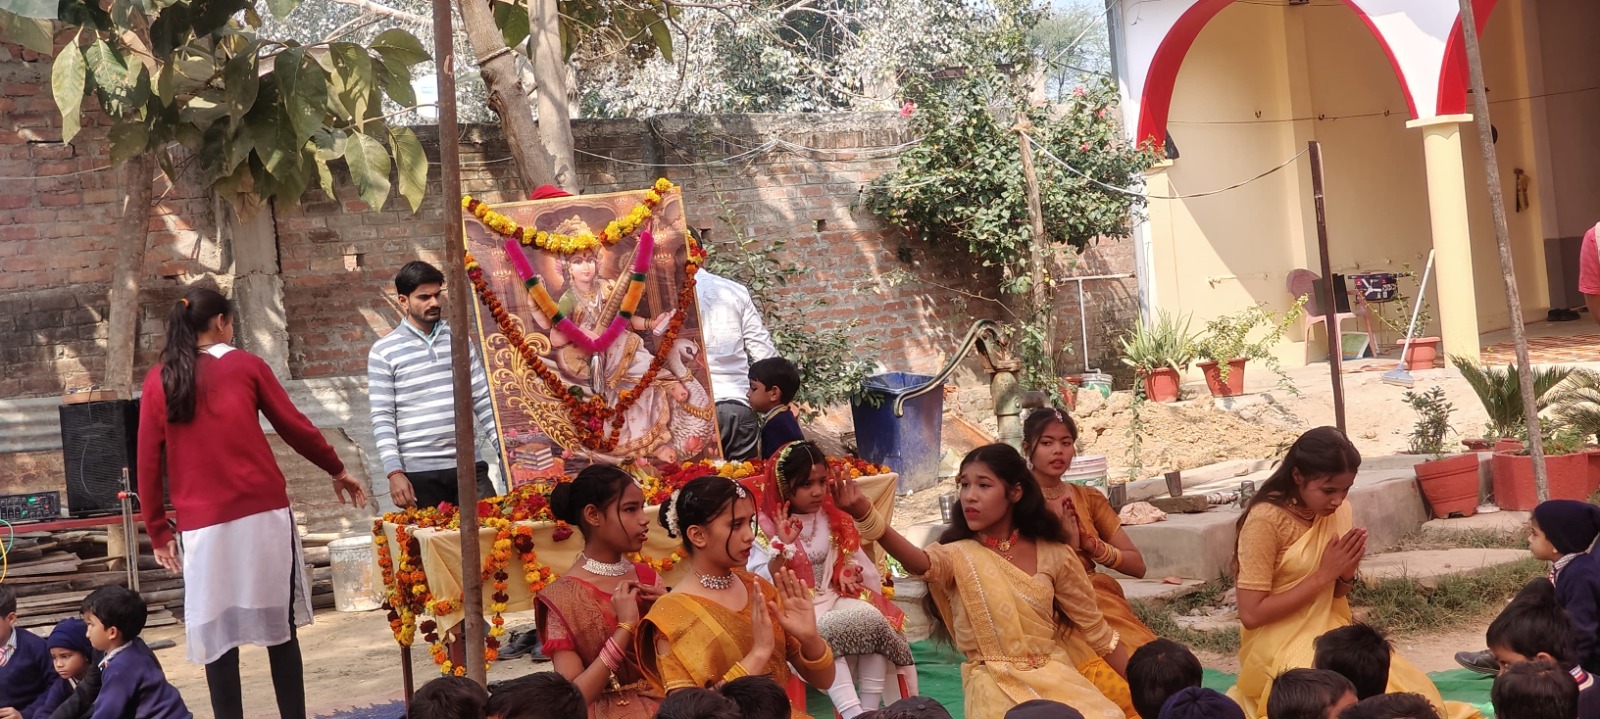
(1503, 521)
(1427, 567)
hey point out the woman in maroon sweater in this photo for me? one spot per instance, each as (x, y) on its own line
(200, 435)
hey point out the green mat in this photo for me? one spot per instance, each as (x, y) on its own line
(939, 676)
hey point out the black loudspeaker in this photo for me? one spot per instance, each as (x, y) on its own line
(98, 439)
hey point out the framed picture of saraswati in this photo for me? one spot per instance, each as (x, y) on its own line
(586, 314)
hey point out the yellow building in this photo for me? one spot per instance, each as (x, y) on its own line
(1240, 86)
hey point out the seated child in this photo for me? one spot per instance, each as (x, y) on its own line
(757, 697)
(1392, 706)
(1309, 694)
(449, 698)
(132, 684)
(774, 382)
(80, 703)
(1538, 689)
(1534, 627)
(697, 703)
(1200, 703)
(25, 673)
(545, 695)
(1564, 530)
(1042, 709)
(1359, 653)
(71, 654)
(1158, 670)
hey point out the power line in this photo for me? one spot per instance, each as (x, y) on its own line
(1135, 193)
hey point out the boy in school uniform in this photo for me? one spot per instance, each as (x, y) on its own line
(71, 654)
(132, 685)
(774, 382)
(25, 670)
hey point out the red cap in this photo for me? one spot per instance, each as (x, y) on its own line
(546, 192)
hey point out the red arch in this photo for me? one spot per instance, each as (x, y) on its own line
(1156, 100)
(1453, 74)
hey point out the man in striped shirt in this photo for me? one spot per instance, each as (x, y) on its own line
(413, 398)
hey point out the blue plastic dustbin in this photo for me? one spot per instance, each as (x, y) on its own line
(908, 444)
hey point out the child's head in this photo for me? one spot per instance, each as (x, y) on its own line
(1043, 709)
(545, 695)
(1199, 703)
(70, 649)
(774, 381)
(1391, 706)
(712, 515)
(1158, 670)
(758, 697)
(449, 698)
(697, 703)
(1534, 690)
(1563, 526)
(1309, 694)
(606, 505)
(802, 476)
(8, 612)
(919, 707)
(1533, 626)
(115, 617)
(995, 488)
(1358, 653)
(1049, 440)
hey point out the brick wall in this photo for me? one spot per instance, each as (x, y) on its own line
(337, 258)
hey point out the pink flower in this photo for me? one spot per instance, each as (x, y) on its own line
(1079, 91)
(908, 108)
(1084, 147)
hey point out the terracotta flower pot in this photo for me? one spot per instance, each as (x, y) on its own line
(1513, 479)
(1422, 353)
(1235, 384)
(1450, 485)
(1161, 385)
(1508, 444)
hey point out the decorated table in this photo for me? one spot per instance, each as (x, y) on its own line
(419, 553)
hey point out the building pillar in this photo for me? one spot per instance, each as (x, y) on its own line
(262, 327)
(1452, 242)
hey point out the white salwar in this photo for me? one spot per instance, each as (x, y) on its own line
(244, 583)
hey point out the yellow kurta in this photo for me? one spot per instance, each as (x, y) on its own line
(1004, 622)
(1268, 651)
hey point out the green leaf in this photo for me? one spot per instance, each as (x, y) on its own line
(369, 167)
(324, 175)
(167, 83)
(108, 72)
(662, 35)
(128, 139)
(402, 45)
(212, 15)
(304, 89)
(203, 109)
(67, 77)
(241, 81)
(330, 144)
(31, 33)
(512, 19)
(281, 8)
(196, 66)
(412, 163)
(396, 80)
(352, 79)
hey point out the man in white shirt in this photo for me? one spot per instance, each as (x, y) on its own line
(734, 337)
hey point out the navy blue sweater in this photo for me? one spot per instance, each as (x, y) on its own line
(778, 430)
(132, 686)
(28, 674)
(1578, 591)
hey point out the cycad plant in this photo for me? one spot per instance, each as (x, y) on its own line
(1500, 391)
(1579, 407)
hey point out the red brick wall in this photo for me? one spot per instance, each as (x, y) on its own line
(338, 258)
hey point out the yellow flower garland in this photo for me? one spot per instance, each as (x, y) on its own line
(570, 244)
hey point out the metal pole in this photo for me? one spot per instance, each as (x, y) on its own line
(1502, 241)
(407, 683)
(460, 357)
(1330, 304)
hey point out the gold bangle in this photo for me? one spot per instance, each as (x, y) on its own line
(826, 660)
(1116, 640)
(627, 627)
(736, 671)
(871, 528)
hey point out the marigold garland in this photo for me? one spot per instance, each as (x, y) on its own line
(570, 244)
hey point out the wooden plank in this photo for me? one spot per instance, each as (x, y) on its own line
(36, 569)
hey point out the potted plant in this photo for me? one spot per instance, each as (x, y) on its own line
(1158, 352)
(1560, 404)
(1225, 346)
(1566, 466)
(1450, 484)
(1423, 350)
(1499, 390)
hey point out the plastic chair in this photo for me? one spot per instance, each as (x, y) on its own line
(1301, 282)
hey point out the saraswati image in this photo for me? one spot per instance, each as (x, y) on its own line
(592, 338)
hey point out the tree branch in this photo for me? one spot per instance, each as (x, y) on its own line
(386, 11)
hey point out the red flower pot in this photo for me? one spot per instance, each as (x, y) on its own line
(1422, 353)
(1235, 384)
(1513, 479)
(1508, 444)
(1450, 485)
(1161, 385)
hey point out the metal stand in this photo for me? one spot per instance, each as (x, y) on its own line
(130, 532)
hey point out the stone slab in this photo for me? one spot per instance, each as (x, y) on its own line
(1157, 590)
(1187, 504)
(1502, 521)
(1429, 566)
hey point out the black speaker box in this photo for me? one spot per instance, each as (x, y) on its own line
(98, 439)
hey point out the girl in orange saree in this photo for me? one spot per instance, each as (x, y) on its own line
(1094, 532)
(1298, 553)
(1005, 585)
(587, 618)
(721, 622)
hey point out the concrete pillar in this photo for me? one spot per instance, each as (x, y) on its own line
(261, 327)
(1452, 242)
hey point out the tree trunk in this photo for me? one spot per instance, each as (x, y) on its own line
(122, 336)
(550, 72)
(1038, 251)
(507, 97)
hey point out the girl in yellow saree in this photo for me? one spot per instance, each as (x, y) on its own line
(1006, 586)
(1297, 559)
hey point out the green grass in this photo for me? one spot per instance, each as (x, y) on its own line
(1160, 616)
(1468, 539)
(1405, 606)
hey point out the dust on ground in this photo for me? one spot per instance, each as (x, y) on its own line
(1178, 436)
